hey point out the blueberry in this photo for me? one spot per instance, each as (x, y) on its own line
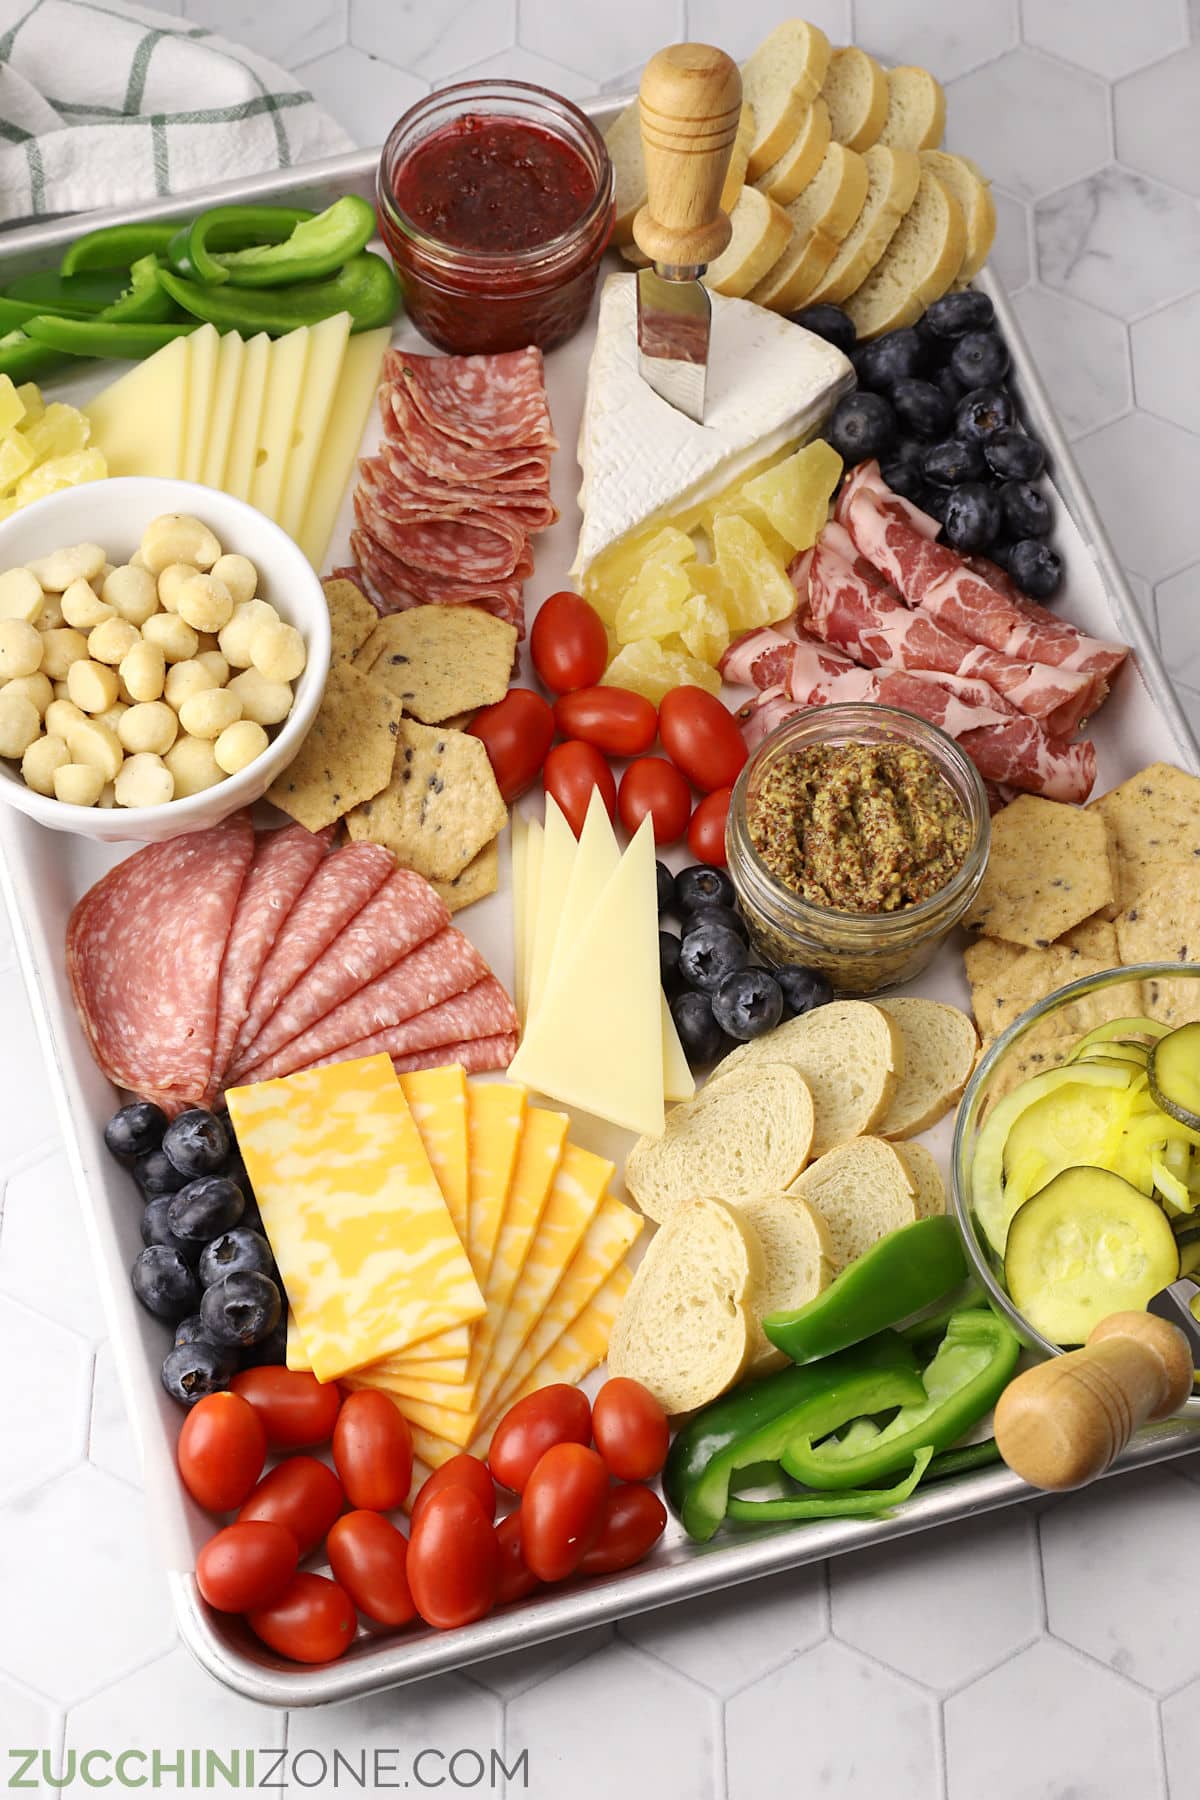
(1000, 552)
(700, 885)
(727, 918)
(191, 1371)
(155, 1174)
(952, 460)
(710, 953)
(192, 1330)
(748, 1003)
(974, 516)
(947, 382)
(935, 501)
(135, 1130)
(980, 359)
(922, 407)
(271, 1351)
(665, 883)
(803, 989)
(903, 473)
(1035, 568)
(983, 412)
(701, 1036)
(156, 1229)
(241, 1309)
(233, 1253)
(863, 425)
(164, 1284)
(197, 1142)
(1014, 456)
(205, 1208)
(830, 323)
(1027, 511)
(889, 359)
(955, 314)
(668, 961)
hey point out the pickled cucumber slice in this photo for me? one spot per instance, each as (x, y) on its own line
(1174, 1071)
(1118, 1028)
(1087, 1245)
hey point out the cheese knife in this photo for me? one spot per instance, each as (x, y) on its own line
(690, 101)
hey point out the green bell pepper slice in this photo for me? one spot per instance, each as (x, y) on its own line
(192, 249)
(316, 247)
(24, 360)
(965, 1379)
(365, 287)
(118, 246)
(145, 300)
(931, 1324)
(905, 1272)
(71, 296)
(963, 1461)
(105, 337)
(849, 1503)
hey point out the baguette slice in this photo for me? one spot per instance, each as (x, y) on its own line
(624, 141)
(857, 95)
(918, 266)
(851, 1055)
(862, 1190)
(916, 116)
(685, 1329)
(739, 159)
(939, 1054)
(930, 1196)
(973, 193)
(761, 233)
(797, 1257)
(822, 218)
(737, 1138)
(892, 180)
(780, 80)
(801, 160)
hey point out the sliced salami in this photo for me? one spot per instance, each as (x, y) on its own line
(530, 508)
(516, 466)
(472, 543)
(486, 402)
(476, 1056)
(482, 1011)
(144, 952)
(393, 587)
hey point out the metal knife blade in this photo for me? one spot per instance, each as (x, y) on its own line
(674, 319)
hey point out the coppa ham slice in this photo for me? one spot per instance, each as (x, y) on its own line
(484, 401)
(482, 1011)
(761, 659)
(404, 913)
(144, 952)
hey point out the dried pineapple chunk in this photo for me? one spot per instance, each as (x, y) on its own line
(654, 605)
(12, 407)
(705, 629)
(612, 576)
(61, 431)
(795, 494)
(15, 457)
(61, 472)
(32, 401)
(759, 590)
(647, 668)
(733, 504)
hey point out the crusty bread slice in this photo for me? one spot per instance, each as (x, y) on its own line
(862, 1190)
(780, 80)
(802, 158)
(856, 92)
(737, 1138)
(973, 193)
(930, 1197)
(822, 217)
(685, 1329)
(739, 159)
(797, 1257)
(850, 1054)
(761, 232)
(939, 1054)
(624, 141)
(918, 266)
(892, 179)
(916, 116)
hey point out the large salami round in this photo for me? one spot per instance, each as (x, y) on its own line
(475, 1057)
(482, 1011)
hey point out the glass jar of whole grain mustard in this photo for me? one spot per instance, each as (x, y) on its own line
(874, 937)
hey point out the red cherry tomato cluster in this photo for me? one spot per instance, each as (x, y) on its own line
(582, 1509)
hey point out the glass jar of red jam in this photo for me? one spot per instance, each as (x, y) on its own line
(496, 202)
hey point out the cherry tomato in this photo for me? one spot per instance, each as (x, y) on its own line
(516, 733)
(302, 1494)
(246, 1566)
(701, 737)
(297, 1410)
(515, 1579)
(615, 720)
(558, 1414)
(222, 1449)
(368, 1557)
(568, 643)
(655, 786)
(373, 1451)
(463, 1470)
(630, 1428)
(634, 1520)
(571, 772)
(313, 1621)
(562, 1510)
(453, 1560)
(706, 833)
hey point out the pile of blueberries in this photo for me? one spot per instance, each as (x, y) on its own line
(933, 406)
(718, 999)
(207, 1268)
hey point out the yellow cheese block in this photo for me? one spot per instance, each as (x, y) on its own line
(243, 441)
(343, 436)
(558, 856)
(581, 1348)
(366, 1248)
(139, 421)
(496, 1116)
(295, 1356)
(203, 350)
(437, 1100)
(226, 390)
(533, 886)
(326, 353)
(287, 377)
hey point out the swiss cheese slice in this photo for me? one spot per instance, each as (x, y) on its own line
(597, 858)
(286, 378)
(558, 858)
(496, 1116)
(520, 897)
(678, 1080)
(365, 1245)
(243, 442)
(534, 851)
(226, 389)
(322, 377)
(139, 421)
(203, 350)
(343, 436)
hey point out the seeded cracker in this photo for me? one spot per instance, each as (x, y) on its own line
(1095, 937)
(441, 806)
(1154, 818)
(441, 661)
(480, 878)
(347, 755)
(1037, 973)
(1163, 925)
(1039, 1051)
(987, 962)
(1048, 870)
(352, 619)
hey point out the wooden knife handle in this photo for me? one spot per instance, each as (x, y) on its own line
(1062, 1423)
(691, 100)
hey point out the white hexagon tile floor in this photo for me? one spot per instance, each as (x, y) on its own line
(1040, 1654)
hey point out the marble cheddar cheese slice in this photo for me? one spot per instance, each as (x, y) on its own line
(366, 1247)
(496, 1119)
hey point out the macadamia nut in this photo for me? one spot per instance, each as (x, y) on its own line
(19, 724)
(205, 602)
(144, 671)
(112, 640)
(92, 742)
(92, 685)
(186, 678)
(41, 759)
(144, 780)
(193, 765)
(206, 714)
(239, 744)
(235, 638)
(132, 593)
(83, 608)
(78, 784)
(266, 702)
(21, 594)
(37, 688)
(61, 715)
(21, 649)
(151, 726)
(173, 635)
(177, 537)
(56, 572)
(239, 575)
(170, 582)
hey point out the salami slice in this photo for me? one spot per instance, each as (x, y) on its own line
(338, 889)
(487, 402)
(482, 1011)
(404, 912)
(531, 508)
(515, 466)
(476, 1056)
(144, 952)
(393, 587)
(479, 545)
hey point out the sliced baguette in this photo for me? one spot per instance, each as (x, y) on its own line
(780, 80)
(930, 1196)
(685, 1329)
(850, 1054)
(761, 233)
(802, 158)
(916, 115)
(737, 1138)
(973, 194)
(939, 1053)
(892, 180)
(797, 1258)
(862, 1190)
(856, 92)
(821, 217)
(918, 266)
(624, 141)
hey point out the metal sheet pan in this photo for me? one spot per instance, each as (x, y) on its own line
(39, 889)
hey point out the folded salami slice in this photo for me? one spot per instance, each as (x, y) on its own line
(515, 466)
(463, 541)
(486, 402)
(482, 1011)
(530, 508)
(476, 1056)
(393, 587)
(144, 952)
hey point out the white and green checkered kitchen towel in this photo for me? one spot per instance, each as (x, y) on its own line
(103, 103)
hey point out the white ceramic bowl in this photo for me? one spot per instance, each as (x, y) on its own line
(115, 514)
